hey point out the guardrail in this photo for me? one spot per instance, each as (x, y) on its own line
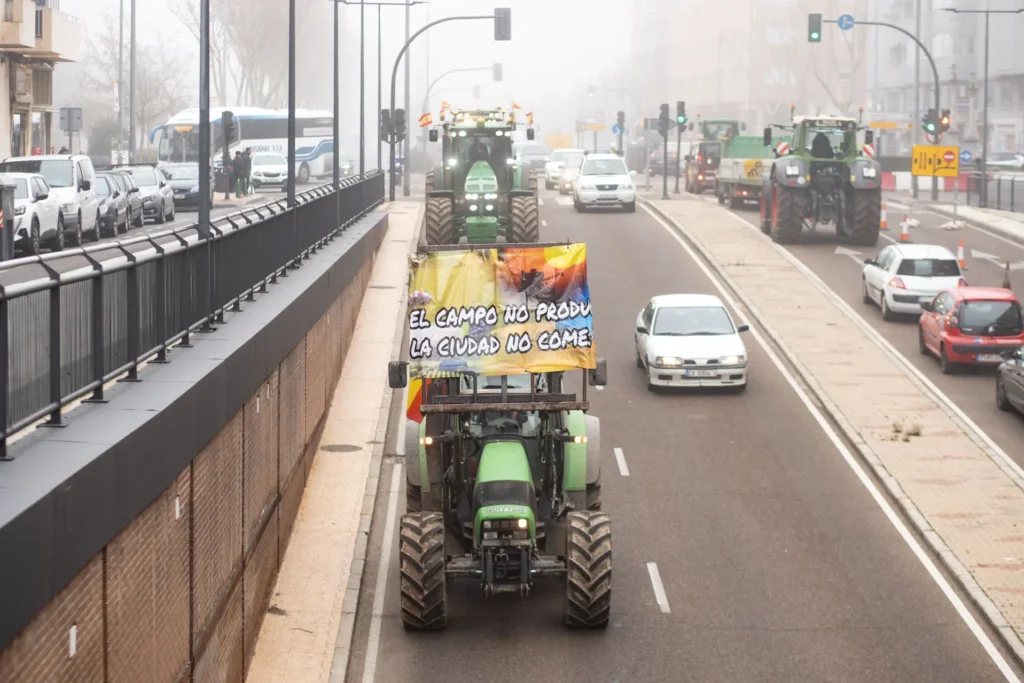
(83, 321)
(1005, 190)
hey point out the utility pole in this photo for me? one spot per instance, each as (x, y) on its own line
(408, 112)
(362, 89)
(120, 80)
(917, 89)
(131, 90)
(291, 112)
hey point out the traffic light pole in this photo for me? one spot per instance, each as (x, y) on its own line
(394, 77)
(679, 147)
(935, 72)
(664, 175)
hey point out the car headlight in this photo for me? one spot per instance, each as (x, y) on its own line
(194, 189)
(868, 172)
(732, 360)
(472, 197)
(19, 211)
(587, 186)
(668, 361)
(792, 171)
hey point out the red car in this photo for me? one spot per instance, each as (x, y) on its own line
(970, 325)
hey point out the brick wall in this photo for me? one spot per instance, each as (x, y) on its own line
(179, 594)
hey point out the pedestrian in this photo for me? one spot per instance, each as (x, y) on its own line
(239, 168)
(64, 150)
(247, 171)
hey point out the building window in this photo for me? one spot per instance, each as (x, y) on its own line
(42, 88)
(898, 55)
(40, 132)
(17, 135)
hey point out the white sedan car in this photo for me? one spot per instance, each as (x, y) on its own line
(604, 180)
(690, 340)
(560, 160)
(37, 217)
(904, 275)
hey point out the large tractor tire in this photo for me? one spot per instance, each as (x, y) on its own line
(421, 565)
(787, 214)
(588, 583)
(428, 183)
(438, 225)
(531, 181)
(525, 220)
(867, 216)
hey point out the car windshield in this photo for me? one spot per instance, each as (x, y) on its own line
(686, 321)
(604, 167)
(57, 172)
(182, 172)
(1002, 317)
(572, 161)
(269, 160)
(20, 188)
(102, 188)
(144, 177)
(929, 267)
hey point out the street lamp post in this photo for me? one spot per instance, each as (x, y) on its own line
(291, 104)
(336, 129)
(131, 90)
(204, 155)
(120, 79)
(983, 161)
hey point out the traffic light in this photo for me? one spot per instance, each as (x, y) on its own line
(930, 122)
(620, 119)
(814, 28)
(944, 121)
(497, 73)
(227, 124)
(663, 120)
(399, 125)
(502, 23)
(385, 125)
(681, 113)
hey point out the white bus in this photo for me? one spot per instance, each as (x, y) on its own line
(262, 130)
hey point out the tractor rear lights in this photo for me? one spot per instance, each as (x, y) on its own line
(576, 439)
(792, 171)
(426, 440)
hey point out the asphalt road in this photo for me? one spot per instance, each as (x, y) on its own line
(776, 562)
(986, 254)
(182, 218)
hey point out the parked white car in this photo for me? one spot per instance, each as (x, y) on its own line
(70, 177)
(904, 275)
(37, 217)
(269, 168)
(690, 340)
(559, 161)
(604, 180)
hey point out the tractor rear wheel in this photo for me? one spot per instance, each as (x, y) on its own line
(867, 216)
(588, 584)
(787, 217)
(428, 183)
(735, 200)
(421, 564)
(721, 190)
(439, 227)
(525, 220)
(413, 498)
(531, 181)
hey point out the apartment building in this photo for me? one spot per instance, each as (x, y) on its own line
(35, 37)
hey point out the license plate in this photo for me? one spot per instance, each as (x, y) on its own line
(179, 194)
(988, 357)
(700, 373)
(607, 196)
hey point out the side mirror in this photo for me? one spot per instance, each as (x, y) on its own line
(40, 196)
(869, 262)
(641, 329)
(599, 376)
(743, 125)
(926, 305)
(133, 190)
(85, 186)
(743, 328)
(767, 137)
(398, 374)
(432, 135)
(529, 134)
(869, 137)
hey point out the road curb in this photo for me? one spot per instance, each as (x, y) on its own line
(357, 570)
(995, 618)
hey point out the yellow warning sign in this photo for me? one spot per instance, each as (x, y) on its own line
(933, 160)
(753, 168)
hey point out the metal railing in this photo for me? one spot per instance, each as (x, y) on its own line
(70, 322)
(1005, 190)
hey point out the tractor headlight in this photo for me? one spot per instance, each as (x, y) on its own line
(489, 207)
(453, 162)
(487, 524)
(868, 172)
(523, 524)
(510, 161)
(732, 360)
(473, 207)
(668, 361)
(472, 196)
(579, 438)
(426, 440)
(490, 196)
(792, 171)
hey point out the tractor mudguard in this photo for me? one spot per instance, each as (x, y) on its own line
(858, 181)
(520, 193)
(784, 163)
(450, 194)
(416, 469)
(574, 477)
(766, 186)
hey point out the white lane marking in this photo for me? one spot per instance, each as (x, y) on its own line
(861, 475)
(543, 223)
(540, 201)
(886, 237)
(373, 641)
(564, 201)
(403, 420)
(621, 460)
(896, 205)
(659, 589)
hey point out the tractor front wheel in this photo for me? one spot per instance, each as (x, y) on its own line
(438, 224)
(531, 181)
(428, 183)
(867, 216)
(421, 565)
(588, 583)
(525, 220)
(787, 218)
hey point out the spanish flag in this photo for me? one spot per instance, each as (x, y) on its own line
(515, 106)
(529, 118)
(426, 120)
(445, 106)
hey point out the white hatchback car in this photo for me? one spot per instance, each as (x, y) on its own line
(559, 161)
(690, 340)
(904, 275)
(604, 180)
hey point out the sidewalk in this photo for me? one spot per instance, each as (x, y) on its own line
(311, 609)
(1009, 224)
(967, 502)
(257, 198)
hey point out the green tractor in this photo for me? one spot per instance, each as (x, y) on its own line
(479, 191)
(505, 489)
(820, 177)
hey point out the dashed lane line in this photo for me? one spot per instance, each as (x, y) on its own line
(659, 588)
(373, 641)
(621, 460)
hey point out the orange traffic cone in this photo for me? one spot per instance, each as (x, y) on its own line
(905, 230)
(960, 255)
(883, 223)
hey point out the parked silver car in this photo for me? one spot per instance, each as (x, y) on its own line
(1010, 381)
